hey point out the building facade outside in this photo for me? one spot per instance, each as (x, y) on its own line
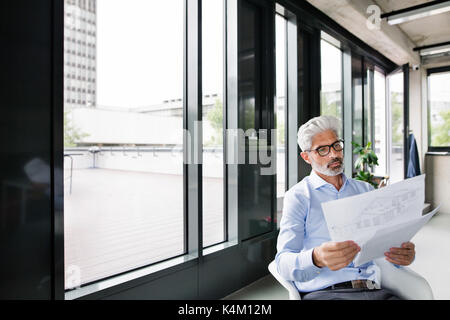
(80, 47)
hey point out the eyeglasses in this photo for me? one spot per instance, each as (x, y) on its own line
(325, 150)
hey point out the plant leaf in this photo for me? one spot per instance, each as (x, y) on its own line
(358, 163)
(358, 149)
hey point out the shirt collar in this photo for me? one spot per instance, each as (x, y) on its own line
(318, 182)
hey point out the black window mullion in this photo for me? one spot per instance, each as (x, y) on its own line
(192, 128)
(405, 68)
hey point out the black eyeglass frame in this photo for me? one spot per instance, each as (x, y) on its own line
(329, 148)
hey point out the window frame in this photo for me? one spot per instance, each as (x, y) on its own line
(199, 264)
(192, 172)
(201, 269)
(404, 70)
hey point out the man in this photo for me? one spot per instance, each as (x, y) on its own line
(320, 268)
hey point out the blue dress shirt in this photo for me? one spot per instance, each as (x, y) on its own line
(303, 227)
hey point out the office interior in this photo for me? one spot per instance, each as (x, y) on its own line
(119, 177)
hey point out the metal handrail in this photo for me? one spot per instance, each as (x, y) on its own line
(71, 166)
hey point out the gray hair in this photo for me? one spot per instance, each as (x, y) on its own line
(314, 126)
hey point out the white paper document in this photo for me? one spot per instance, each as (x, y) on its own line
(379, 219)
(390, 237)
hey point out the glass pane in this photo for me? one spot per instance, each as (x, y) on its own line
(380, 122)
(368, 101)
(255, 187)
(280, 113)
(213, 158)
(123, 135)
(439, 109)
(303, 45)
(331, 75)
(248, 67)
(357, 102)
(396, 168)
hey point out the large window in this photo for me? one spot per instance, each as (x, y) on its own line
(281, 110)
(280, 106)
(131, 91)
(368, 102)
(331, 76)
(380, 122)
(255, 88)
(213, 120)
(439, 109)
(357, 102)
(123, 135)
(396, 126)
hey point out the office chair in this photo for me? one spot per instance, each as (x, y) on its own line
(403, 282)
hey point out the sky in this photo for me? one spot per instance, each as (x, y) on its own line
(280, 55)
(140, 51)
(331, 65)
(439, 86)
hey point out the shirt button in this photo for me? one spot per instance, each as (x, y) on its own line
(318, 272)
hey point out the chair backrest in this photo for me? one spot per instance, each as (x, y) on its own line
(403, 282)
(289, 285)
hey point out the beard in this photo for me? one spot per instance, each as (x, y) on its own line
(326, 169)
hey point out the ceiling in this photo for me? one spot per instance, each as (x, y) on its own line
(394, 41)
(424, 31)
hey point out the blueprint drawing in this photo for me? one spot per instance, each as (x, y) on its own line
(358, 217)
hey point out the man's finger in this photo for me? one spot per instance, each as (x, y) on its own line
(401, 259)
(336, 246)
(398, 262)
(397, 256)
(409, 245)
(343, 252)
(405, 252)
(343, 258)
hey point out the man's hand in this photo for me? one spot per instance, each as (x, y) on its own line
(335, 255)
(403, 256)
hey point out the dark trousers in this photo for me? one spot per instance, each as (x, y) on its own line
(349, 294)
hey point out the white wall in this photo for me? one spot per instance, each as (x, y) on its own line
(436, 167)
(437, 182)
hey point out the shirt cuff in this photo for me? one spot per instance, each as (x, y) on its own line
(307, 261)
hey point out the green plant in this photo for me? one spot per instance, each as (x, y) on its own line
(72, 134)
(215, 118)
(366, 158)
(440, 136)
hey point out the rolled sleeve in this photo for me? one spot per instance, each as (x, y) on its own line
(293, 262)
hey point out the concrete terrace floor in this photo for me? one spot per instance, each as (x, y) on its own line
(117, 220)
